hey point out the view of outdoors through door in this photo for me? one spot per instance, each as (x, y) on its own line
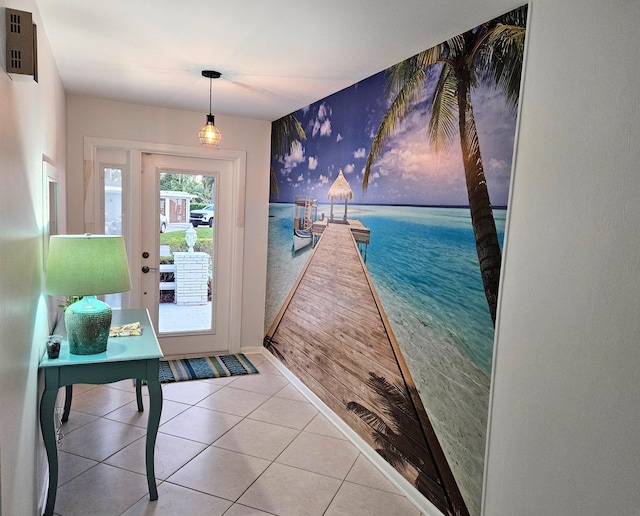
(187, 232)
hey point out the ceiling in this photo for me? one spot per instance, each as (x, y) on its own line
(275, 56)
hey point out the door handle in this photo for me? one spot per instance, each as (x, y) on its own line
(146, 269)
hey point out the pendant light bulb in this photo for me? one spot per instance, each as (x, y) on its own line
(209, 134)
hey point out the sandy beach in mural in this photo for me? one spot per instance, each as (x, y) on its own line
(423, 265)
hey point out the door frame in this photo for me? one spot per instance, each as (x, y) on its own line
(92, 198)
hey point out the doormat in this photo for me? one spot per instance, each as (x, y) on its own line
(205, 367)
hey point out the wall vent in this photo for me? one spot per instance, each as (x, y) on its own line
(21, 55)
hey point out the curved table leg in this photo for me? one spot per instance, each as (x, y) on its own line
(138, 383)
(47, 426)
(68, 394)
(155, 409)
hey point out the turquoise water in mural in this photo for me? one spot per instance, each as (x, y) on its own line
(422, 259)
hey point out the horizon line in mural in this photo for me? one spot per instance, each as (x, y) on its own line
(453, 206)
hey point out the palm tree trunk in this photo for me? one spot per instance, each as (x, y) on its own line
(484, 226)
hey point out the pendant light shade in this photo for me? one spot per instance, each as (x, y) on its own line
(209, 134)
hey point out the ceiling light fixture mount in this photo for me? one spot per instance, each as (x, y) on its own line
(209, 134)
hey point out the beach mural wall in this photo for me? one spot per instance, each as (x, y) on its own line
(398, 188)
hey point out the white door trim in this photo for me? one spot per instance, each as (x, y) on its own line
(135, 150)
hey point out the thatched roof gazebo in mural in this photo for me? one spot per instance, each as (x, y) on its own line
(340, 189)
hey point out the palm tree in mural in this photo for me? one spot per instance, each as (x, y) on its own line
(284, 132)
(393, 444)
(490, 53)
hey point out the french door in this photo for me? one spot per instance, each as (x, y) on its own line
(187, 290)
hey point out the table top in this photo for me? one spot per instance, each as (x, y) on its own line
(119, 349)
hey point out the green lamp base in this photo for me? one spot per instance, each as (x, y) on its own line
(88, 322)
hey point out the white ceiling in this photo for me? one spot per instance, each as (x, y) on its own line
(275, 56)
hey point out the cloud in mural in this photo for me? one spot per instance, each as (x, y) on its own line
(313, 163)
(293, 159)
(321, 127)
(348, 169)
(497, 164)
(361, 153)
(339, 138)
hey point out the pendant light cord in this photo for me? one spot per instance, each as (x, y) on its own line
(210, 81)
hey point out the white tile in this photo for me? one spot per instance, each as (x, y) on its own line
(126, 385)
(103, 490)
(101, 400)
(321, 425)
(291, 393)
(220, 382)
(70, 466)
(256, 359)
(356, 500)
(242, 510)
(262, 383)
(100, 439)
(288, 491)
(268, 368)
(76, 420)
(220, 472)
(171, 453)
(177, 500)
(257, 439)
(190, 392)
(320, 454)
(129, 413)
(284, 412)
(200, 424)
(234, 401)
(365, 473)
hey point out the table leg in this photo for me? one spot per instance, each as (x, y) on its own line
(47, 426)
(155, 409)
(138, 383)
(68, 394)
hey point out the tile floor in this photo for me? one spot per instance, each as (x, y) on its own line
(239, 446)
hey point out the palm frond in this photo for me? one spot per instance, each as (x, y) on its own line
(501, 54)
(410, 90)
(274, 189)
(444, 106)
(370, 418)
(284, 132)
(396, 396)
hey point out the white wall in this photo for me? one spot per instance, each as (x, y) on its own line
(114, 120)
(565, 419)
(32, 128)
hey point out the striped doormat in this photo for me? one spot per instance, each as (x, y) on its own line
(206, 367)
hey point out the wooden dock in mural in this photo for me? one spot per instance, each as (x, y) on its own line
(333, 334)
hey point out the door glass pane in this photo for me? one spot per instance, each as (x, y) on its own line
(113, 215)
(186, 272)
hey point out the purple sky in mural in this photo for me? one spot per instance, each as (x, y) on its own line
(339, 132)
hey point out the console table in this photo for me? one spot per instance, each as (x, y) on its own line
(126, 357)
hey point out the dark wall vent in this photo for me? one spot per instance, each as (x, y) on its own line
(21, 45)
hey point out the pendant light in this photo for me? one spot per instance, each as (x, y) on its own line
(209, 134)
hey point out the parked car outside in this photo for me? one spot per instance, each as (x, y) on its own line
(203, 216)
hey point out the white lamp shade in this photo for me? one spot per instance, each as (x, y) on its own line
(87, 265)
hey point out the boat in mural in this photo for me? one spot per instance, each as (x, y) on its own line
(305, 212)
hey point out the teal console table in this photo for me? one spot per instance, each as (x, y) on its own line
(126, 357)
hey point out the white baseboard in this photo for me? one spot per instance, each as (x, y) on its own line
(401, 483)
(252, 349)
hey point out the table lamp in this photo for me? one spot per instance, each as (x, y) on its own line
(87, 265)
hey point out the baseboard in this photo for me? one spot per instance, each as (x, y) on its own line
(252, 349)
(402, 484)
